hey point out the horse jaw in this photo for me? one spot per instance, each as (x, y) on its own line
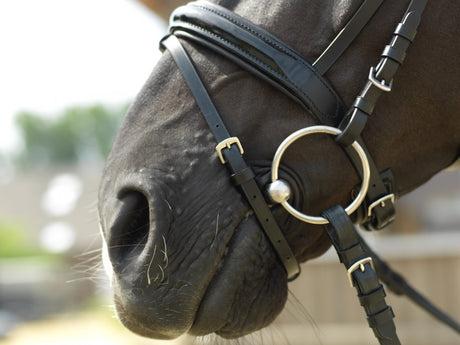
(185, 254)
(171, 274)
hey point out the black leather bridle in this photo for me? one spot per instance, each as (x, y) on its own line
(264, 55)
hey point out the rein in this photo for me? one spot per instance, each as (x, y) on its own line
(264, 55)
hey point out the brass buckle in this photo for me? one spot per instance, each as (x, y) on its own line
(359, 264)
(227, 143)
(380, 202)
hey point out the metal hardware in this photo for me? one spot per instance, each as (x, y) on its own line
(359, 264)
(328, 130)
(227, 143)
(380, 84)
(279, 191)
(380, 202)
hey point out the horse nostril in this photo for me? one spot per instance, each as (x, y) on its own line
(130, 231)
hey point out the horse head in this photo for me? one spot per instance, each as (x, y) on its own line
(184, 248)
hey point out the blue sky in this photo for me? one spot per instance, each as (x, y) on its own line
(59, 53)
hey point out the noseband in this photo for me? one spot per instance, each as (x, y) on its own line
(264, 55)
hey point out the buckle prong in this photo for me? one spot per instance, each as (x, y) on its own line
(359, 264)
(227, 143)
(380, 84)
(380, 202)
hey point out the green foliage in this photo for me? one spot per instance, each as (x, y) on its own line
(77, 134)
(15, 241)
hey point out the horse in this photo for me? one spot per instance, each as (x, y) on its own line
(185, 251)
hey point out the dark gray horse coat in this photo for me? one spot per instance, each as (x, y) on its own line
(186, 252)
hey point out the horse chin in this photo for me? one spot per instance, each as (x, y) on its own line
(245, 292)
(248, 290)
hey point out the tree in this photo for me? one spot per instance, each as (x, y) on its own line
(77, 134)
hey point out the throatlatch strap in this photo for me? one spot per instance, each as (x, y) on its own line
(232, 154)
(361, 273)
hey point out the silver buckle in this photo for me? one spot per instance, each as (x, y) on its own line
(227, 143)
(380, 84)
(359, 264)
(380, 202)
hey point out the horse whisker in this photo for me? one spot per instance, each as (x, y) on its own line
(150, 266)
(217, 230)
(162, 273)
(165, 253)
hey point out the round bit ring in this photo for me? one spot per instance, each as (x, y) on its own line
(328, 130)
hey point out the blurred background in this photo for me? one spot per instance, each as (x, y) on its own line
(68, 72)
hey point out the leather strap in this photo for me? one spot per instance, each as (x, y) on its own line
(343, 40)
(399, 286)
(360, 268)
(261, 53)
(264, 55)
(352, 250)
(375, 215)
(241, 173)
(381, 76)
(380, 80)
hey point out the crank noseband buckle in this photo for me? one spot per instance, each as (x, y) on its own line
(227, 143)
(283, 196)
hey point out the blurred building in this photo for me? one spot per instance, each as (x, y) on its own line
(56, 267)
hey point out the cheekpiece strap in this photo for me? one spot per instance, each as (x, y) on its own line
(380, 200)
(231, 152)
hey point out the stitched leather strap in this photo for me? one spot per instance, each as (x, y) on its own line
(238, 168)
(398, 285)
(347, 243)
(267, 57)
(352, 250)
(261, 53)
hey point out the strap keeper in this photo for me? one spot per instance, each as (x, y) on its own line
(372, 297)
(405, 31)
(395, 54)
(381, 317)
(364, 105)
(353, 129)
(241, 177)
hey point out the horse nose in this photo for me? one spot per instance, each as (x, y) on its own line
(134, 224)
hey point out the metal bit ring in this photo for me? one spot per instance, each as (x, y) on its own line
(328, 130)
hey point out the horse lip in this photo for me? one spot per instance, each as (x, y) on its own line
(138, 322)
(135, 312)
(218, 301)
